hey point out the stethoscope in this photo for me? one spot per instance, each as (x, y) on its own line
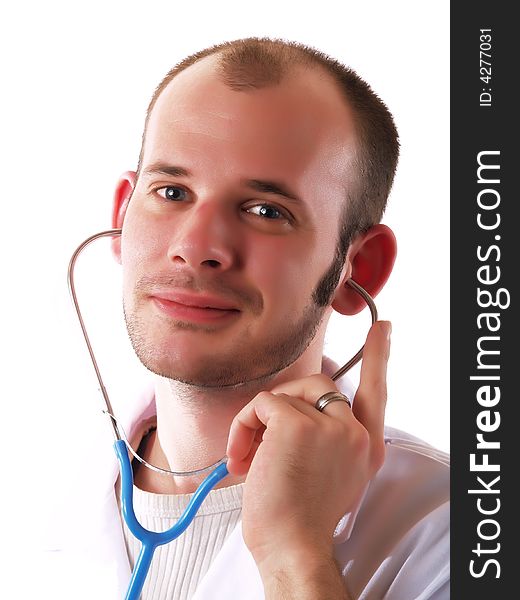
(150, 540)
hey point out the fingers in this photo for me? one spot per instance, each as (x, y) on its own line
(249, 425)
(370, 400)
(310, 389)
(293, 403)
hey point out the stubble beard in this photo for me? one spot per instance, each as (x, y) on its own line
(246, 362)
(249, 361)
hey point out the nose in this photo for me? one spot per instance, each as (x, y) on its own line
(204, 239)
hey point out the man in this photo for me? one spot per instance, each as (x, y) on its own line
(263, 175)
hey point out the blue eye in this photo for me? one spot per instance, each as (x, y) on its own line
(172, 192)
(267, 211)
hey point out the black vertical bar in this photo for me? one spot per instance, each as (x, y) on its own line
(485, 259)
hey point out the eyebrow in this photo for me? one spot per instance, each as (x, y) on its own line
(259, 185)
(272, 187)
(166, 169)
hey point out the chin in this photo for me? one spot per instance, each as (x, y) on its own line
(209, 372)
(222, 360)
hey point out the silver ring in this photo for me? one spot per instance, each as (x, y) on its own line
(329, 397)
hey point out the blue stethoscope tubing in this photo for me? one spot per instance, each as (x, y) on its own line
(150, 540)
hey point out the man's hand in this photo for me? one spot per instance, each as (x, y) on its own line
(306, 469)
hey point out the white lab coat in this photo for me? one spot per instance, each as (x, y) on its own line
(394, 546)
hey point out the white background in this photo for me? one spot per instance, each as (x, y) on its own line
(76, 81)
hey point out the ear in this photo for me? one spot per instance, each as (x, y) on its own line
(125, 187)
(369, 262)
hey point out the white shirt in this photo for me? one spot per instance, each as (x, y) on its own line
(394, 547)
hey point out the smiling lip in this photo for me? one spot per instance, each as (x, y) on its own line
(190, 307)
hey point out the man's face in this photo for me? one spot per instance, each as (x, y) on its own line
(232, 224)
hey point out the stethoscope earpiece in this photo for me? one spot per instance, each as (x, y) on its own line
(373, 312)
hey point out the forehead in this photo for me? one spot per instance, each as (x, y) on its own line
(297, 129)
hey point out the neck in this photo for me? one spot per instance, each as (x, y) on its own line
(193, 425)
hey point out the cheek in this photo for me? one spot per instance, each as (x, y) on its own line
(285, 274)
(141, 241)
